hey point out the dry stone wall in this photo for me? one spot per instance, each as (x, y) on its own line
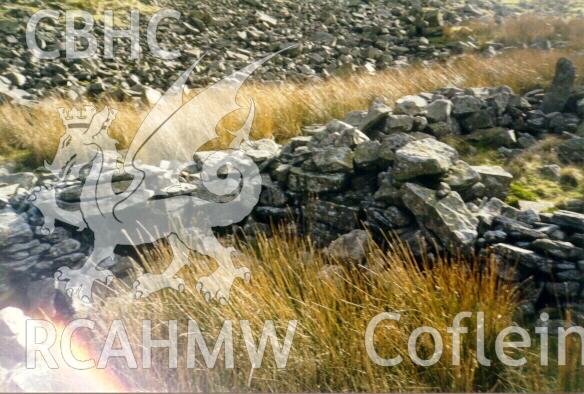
(383, 170)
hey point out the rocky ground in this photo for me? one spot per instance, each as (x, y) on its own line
(332, 38)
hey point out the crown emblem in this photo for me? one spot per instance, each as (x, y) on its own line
(77, 118)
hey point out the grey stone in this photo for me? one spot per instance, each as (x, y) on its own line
(388, 219)
(551, 171)
(339, 216)
(517, 230)
(22, 179)
(392, 143)
(355, 118)
(569, 220)
(334, 159)
(556, 98)
(260, 150)
(378, 112)
(489, 210)
(305, 181)
(563, 290)
(366, 155)
(439, 110)
(351, 247)
(461, 176)
(465, 105)
(411, 105)
(442, 129)
(448, 218)
(495, 137)
(536, 206)
(389, 189)
(496, 236)
(151, 96)
(513, 255)
(423, 157)
(496, 180)
(399, 123)
(13, 229)
(482, 119)
(559, 249)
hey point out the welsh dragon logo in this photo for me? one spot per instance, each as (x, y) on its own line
(156, 204)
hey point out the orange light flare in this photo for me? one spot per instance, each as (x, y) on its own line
(64, 378)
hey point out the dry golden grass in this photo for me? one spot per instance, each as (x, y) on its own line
(333, 312)
(283, 109)
(522, 30)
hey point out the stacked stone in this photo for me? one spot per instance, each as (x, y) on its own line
(542, 250)
(30, 255)
(383, 169)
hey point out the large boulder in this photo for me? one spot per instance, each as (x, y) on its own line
(448, 218)
(557, 97)
(423, 157)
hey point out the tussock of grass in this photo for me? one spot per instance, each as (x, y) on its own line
(333, 311)
(328, 353)
(283, 109)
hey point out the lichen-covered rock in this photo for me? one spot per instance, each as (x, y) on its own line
(411, 105)
(448, 218)
(465, 105)
(496, 180)
(391, 143)
(341, 217)
(305, 181)
(423, 157)
(439, 110)
(378, 112)
(334, 159)
(461, 176)
(399, 123)
(366, 155)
